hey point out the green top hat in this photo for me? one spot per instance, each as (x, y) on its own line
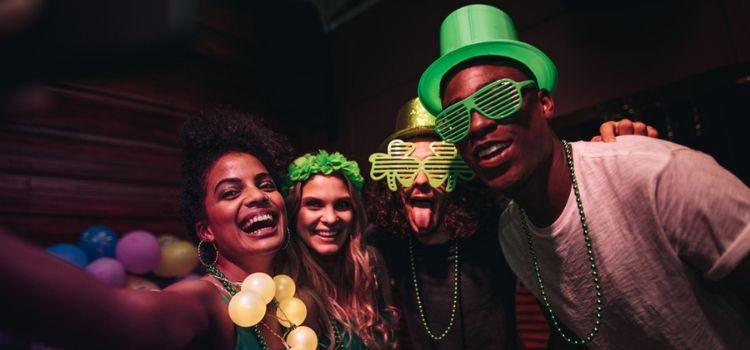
(413, 120)
(476, 31)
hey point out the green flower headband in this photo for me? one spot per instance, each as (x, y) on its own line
(322, 163)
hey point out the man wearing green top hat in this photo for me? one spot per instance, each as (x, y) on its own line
(662, 264)
(455, 293)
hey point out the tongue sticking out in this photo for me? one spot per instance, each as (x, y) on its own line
(421, 217)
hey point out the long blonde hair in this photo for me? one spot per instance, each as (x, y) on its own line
(352, 290)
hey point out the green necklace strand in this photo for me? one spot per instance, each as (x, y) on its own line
(589, 250)
(232, 291)
(456, 284)
(337, 341)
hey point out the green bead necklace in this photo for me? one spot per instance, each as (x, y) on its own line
(456, 284)
(589, 250)
(232, 291)
(337, 341)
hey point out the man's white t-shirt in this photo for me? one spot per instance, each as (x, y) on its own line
(666, 222)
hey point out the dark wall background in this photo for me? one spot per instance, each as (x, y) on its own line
(92, 93)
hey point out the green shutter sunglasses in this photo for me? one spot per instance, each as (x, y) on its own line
(498, 100)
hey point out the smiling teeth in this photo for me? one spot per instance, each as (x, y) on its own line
(327, 233)
(262, 217)
(493, 148)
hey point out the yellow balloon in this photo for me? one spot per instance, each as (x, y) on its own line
(178, 258)
(260, 283)
(246, 308)
(302, 338)
(285, 287)
(291, 311)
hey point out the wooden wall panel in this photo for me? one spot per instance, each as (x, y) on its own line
(73, 157)
(55, 195)
(77, 112)
(38, 153)
(49, 229)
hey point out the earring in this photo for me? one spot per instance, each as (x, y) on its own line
(201, 253)
(287, 237)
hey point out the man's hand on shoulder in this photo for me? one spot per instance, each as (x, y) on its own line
(608, 130)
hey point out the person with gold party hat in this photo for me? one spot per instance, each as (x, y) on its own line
(662, 264)
(436, 228)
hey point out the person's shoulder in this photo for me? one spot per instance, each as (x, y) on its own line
(638, 153)
(649, 148)
(203, 289)
(630, 145)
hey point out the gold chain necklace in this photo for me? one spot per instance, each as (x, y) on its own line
(456, 285)
(589, 250)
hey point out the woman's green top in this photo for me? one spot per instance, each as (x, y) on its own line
(246, 339)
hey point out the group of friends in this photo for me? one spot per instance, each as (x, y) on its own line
(635, 244)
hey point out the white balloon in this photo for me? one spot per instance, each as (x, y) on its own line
(262, 284)
(291, 311)
(246, 308)
(302, 338)
(285, 287)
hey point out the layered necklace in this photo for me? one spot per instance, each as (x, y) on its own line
(589, 250)
(456, 285)
(229, 286)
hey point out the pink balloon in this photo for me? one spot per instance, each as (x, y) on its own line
(138, 251)
(109, 270)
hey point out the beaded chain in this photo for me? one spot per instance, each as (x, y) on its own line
(232, 291)
(337, 341)
(589, 250)
(456, 284)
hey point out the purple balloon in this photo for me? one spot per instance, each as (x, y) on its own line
(108, 270)
(138, 251)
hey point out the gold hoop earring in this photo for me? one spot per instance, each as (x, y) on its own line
(201, 254)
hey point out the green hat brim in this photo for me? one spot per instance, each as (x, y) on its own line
(539, 64)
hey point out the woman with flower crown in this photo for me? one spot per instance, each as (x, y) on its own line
(232, 206)
(328, 218)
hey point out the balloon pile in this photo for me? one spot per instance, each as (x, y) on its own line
(117, 261)
(248, 306)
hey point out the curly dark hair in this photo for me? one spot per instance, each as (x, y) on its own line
(210, 135)
(472, 207)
